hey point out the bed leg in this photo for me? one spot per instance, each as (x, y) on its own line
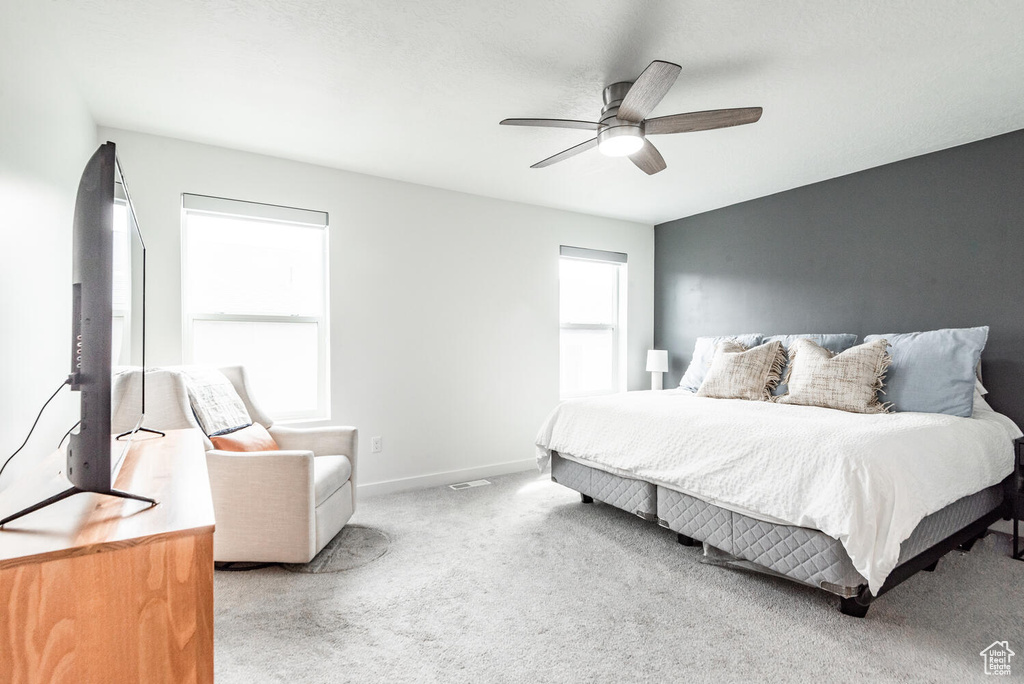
(586, 499)
(686, 541)
(969, 544)
(931, 568)
(856, 606)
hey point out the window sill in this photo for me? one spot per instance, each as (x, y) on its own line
(306, 421)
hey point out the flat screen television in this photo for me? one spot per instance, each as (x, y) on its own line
(102, 193)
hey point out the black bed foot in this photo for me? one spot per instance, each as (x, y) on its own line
(854, 606)
(931, 568)
(686, 541)
(586, 499)
(968, 545)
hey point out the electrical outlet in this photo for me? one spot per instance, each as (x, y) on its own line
(376, 445)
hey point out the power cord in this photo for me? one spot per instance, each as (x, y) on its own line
(61, 442)
(32, 429)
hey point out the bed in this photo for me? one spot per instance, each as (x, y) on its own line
(851, 504)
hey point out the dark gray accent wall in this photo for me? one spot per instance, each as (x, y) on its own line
(936, 241)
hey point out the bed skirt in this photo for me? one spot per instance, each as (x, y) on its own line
(800, 554)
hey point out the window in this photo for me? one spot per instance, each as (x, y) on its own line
(120, 346)
(254, 287)
(592, 313)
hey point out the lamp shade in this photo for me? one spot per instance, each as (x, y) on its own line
(657, 361)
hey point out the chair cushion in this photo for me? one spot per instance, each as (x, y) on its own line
(330, 473)
(252, 438)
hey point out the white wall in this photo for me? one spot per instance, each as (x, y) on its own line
(46, 137)
(444, 306)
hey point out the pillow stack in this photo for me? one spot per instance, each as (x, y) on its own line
(930, 372)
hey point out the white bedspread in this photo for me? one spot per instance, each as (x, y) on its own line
(866, 480)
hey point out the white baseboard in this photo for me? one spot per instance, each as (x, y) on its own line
(446, 478)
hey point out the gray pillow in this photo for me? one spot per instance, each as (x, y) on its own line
(933, 372)
(215, 403)
(836, 343)
(704, 353)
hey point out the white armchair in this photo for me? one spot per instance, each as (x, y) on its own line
(270, 506)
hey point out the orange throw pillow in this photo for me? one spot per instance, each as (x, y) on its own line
(252, 438)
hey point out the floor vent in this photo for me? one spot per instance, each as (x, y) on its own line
(467, 485)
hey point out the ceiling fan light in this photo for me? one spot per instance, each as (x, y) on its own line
(620, 141)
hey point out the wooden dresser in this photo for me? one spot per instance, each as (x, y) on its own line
(104, 589)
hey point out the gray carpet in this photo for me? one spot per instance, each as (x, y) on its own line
(520, 582)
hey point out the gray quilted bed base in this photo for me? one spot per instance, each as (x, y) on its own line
(634, 496)
(801, 554)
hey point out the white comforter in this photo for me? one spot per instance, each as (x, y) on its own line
(866, 480)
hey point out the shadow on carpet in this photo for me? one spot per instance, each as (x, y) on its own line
(353, 547)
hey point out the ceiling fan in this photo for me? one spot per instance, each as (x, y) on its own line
(622, 130)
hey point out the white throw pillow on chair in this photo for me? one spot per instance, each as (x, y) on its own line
(215, 402)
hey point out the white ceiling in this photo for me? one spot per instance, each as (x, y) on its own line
(414, 90)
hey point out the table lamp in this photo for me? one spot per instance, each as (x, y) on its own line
(657, 363)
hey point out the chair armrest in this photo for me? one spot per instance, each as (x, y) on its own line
(263, 499)
(332, 440)
(252, 472)
(281, 456)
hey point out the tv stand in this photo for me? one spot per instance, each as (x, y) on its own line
(99, 588)
(141, 429)
(71, 491)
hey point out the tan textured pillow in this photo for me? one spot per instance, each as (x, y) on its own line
(849, 381)
(740, 373)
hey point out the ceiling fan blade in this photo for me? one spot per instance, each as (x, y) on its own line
(648, 159)
(701, 121)
(553, 123)
(647, 91)
(565, 154)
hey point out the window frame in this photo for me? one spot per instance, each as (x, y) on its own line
(124, 355)
(270, 213)
(617, 328)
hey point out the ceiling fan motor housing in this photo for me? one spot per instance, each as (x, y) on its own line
(613, 127)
